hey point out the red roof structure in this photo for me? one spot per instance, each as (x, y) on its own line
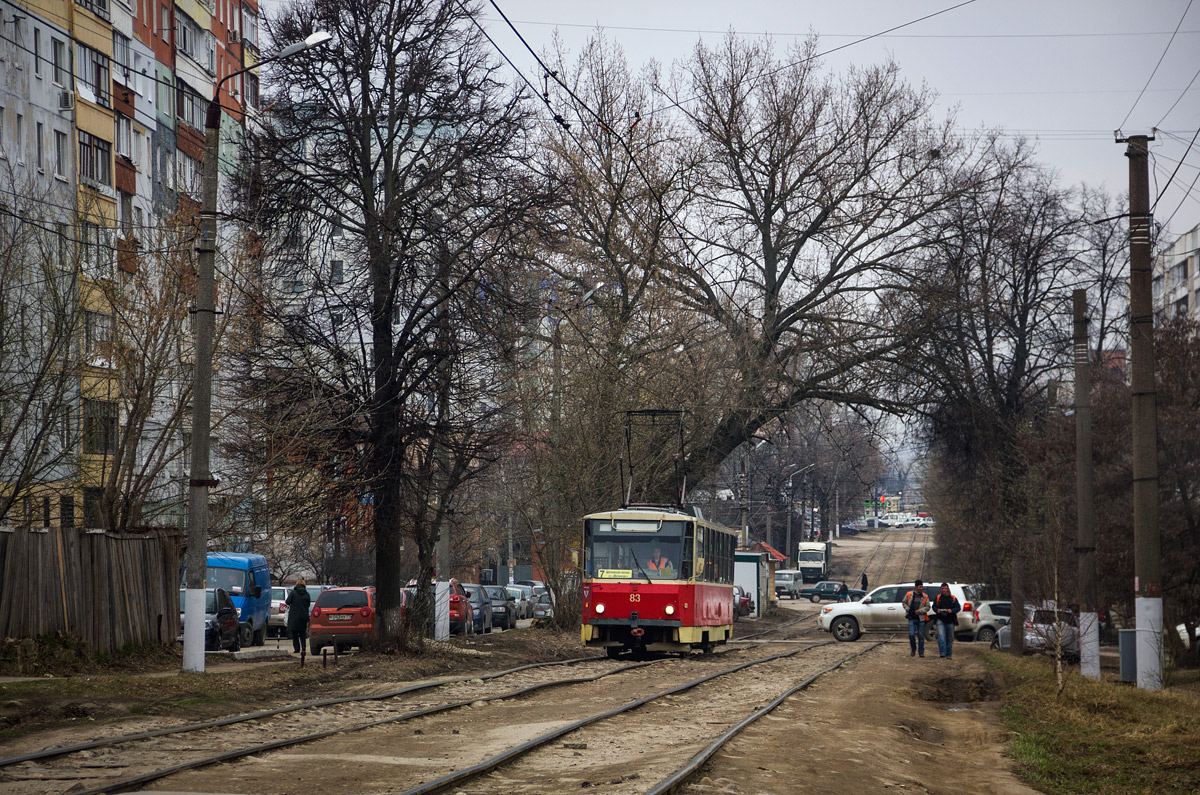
(763, 546)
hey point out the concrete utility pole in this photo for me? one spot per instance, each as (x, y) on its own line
(1085, 511)
(201, 479)
(1147, 553)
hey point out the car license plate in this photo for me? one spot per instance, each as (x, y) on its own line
(340, 617)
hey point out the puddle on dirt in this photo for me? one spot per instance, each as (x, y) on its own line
(958, 691)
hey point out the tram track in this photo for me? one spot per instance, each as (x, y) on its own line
(87, 758)
(708, 746)
(124, 762)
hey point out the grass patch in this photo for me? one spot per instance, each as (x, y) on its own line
(1099, 737)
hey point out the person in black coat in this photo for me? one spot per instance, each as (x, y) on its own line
(298, 602)
(946, 608)
(864, 581)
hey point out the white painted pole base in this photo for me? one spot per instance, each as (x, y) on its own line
(193, 631)
(1089, 645)
(1149, 617)
(441, 611)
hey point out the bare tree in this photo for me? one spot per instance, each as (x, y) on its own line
(40, 325)
(400, 137)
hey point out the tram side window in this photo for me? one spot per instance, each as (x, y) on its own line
(711, 556)
(689, 540)
(726, 557)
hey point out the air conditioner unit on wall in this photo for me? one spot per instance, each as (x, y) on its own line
(233, 37)
(66, 100)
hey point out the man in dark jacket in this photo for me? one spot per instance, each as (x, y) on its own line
(946, 608)
(298, 602)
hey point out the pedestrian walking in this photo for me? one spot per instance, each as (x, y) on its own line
(946, 608)
(916, 610)
(843, 593)
(864, 583)
(298, 602)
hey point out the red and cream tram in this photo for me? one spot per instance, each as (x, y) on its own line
(656, 579)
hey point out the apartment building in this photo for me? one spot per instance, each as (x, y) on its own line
(102, 111)
(1176, 284)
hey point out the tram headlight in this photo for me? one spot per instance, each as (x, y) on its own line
(599, 607)
(669, 610)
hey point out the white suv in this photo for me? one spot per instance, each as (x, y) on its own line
(882, 610)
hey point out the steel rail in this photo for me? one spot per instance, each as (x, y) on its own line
(496, 761)
(777, 628)
(124, 785)
(63, 750)
(696, 762)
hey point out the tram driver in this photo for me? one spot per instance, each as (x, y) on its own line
(660, 564)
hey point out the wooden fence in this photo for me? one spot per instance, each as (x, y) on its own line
(106, 589)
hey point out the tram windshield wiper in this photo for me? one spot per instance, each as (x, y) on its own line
(638, 563)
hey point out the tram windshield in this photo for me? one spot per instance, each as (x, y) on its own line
(618, 554)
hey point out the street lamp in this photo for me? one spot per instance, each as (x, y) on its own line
(201, 478)
(789, 508)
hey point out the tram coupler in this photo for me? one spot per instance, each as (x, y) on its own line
(637, 632)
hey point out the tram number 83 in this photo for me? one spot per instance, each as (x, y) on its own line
(635, 597)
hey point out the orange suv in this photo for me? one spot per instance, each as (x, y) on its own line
(342, 617)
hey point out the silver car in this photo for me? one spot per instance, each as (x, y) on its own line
(882, 610)
(1043, 629)
(524, 598)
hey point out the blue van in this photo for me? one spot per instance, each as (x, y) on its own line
(245, 577)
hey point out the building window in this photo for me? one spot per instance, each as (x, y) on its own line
(1179, 273)
(121, 59)
(95, 159)
(95, 73)
(66, 510)
(1181, 306)
(336, 272)
(41, 146)
(45, 511)
(37, 52)
(99, 428)
(189, 174)
(60, 154)
(20, 142)
(124, 134)
(97, 251)
(58, 55)
(191, 107)
(97, 7)
(98, 330)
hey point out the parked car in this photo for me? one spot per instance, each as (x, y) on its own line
(221, 627)
(882, 610)
(524, 597)
(828, 590)
(543, 608)
(504, 606)
(742, 605)
(989, 617)
(342, 617)
(848, 530)
(277, 619)
(481, 607)
(1043, 627)
(462, 619)
(788, 582)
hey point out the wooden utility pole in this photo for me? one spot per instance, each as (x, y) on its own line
(1147, 553)
(1085, 511)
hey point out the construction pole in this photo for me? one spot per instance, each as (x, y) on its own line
(1085, 510)
(1147, 553)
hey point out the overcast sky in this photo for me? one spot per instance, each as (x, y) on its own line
(1067, 74)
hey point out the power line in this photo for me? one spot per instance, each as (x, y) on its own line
(706, 31)
(1160, 60)
(1173, 173)
(1180, 97)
